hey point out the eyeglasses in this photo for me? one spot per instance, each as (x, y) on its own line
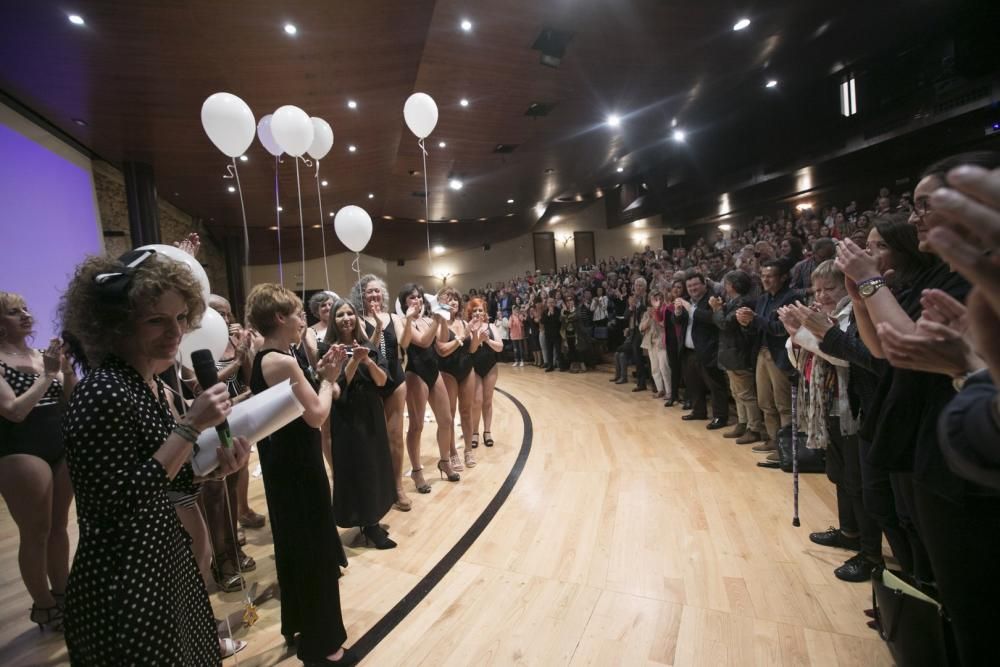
(922, 206)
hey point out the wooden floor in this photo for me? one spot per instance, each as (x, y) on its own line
(631, 538)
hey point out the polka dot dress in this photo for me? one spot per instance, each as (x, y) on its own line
(135, 596)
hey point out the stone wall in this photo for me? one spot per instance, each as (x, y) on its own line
(175, 224)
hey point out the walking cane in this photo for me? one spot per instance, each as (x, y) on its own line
(795, 450)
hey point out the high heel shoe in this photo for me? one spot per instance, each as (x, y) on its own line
(475, 440)
(444, 467)
(456, 463)
(487, 439)
(418, 481)
(378, 537)
(470, 460)
(47, 617)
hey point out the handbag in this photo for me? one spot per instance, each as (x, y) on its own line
(913, 624)
(810, 460)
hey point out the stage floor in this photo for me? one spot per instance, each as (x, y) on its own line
(601, 529)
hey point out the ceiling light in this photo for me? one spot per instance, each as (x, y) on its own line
(673, 123)
(387, 217)
(324, 183)
(441, 144)
(351, 104)
(614, 120)
(510, 201)
(725, 227)
(273, 229)
(76, 19)
(331, 214)
(742, 24)
(232, 189)
(243, 158)
(455, 184)
(679, 136)
(438, 249)
(620, 169)
(317, 226)
(352, 148)
(464, 102)
(453, 220)
(280, 209)
(371, 195)
(290, 29)
(81, 122)
(466, 25)
(772, 83)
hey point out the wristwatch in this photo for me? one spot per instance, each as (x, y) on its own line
(866, 288)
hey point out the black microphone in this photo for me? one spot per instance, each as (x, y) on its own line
(208, 376)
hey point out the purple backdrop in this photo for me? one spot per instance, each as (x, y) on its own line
(50, 223)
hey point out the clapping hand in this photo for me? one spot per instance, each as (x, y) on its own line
(52, 357)
(932, 348)
(332, 363)
(790, 319)
(744, 316)
(715, 303)
(414, 311)
(190, 244)
(360, 353)
(941, 307)
(855, 262)
(816, 322)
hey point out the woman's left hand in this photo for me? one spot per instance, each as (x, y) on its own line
(360, 353)
(231, 460)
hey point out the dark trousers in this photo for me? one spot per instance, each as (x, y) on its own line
(906, 509)
(700, 381)
(641, 361)
(963, 541)
(843, 468)
(676, 370)
(220, 521)
(880, 504)
(553, 343)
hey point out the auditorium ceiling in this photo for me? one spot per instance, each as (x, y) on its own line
(128, 85)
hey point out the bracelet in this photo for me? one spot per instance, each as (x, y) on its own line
(188, 433)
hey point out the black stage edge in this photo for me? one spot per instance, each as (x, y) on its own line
(364, 645)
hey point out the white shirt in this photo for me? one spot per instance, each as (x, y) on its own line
(688, 339)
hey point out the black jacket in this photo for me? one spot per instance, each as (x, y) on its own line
(768, 329)
(865, 371)
(704, 333)
(735, 342)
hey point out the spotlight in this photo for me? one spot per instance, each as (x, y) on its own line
(243, 158)
(510, 201)
(324, 183)
(441, 144)
(331, 214)
(772, 83)
(371, 195)
(614, 120)
(725, 227)
(438, 249)
(742, 24)
(290, 29)
(679, 136)
(75, 19)
(466, 25)
(351, 104)
(455, 184)
(280, 209)
(352, 148)
(232, 189)
(620, 169)
(464, 102)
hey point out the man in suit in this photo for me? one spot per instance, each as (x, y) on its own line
(700, 354)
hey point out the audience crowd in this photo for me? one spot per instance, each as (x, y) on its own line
(871, 325)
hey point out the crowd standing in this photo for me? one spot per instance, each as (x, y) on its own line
(877, 324)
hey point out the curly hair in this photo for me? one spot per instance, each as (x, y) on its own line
(97, 321)
(357, 295)
(10, 300)
(268, 300)
(474, 303)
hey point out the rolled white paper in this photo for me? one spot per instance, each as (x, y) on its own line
(254, 419)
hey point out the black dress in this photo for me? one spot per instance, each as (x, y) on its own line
(40, 433)
(306, 543)
(388, 348)
(135, 595)
(363, 485)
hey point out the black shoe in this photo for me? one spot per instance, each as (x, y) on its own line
(833, 537)
(614, 379)
(622, 381)
(379, 537)
(669, 404)
(686, 405)
(641, 387)
(768, 464)
(693, 417)
(717, 423)
(349, 658)
(549, 369)
(856, 569)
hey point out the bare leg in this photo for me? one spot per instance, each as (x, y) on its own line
(393, 408)
(58, 551)
(451, 385)
(325, 442)
(441, 405)
(466, 403)
(416, 406)
(26, 485)
(194, 524)
(243, 490)
(477, 405)
(489, 384)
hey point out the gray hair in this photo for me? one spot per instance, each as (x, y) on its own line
(357, 296)
(317, 300)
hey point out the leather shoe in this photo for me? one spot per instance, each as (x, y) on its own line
(693, 417)
(767, 446)
(774, 457)
(669, 403)
(833, 537)
(768, 464)
(737, 431)
(717, 423)
(638, 388)
(686, 405)
(748, 438)
(856, 569)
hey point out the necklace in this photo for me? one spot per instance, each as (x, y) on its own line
(15, 353)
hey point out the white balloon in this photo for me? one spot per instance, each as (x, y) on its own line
(353, 226)
(421, 114)
(292, 130)
(322, 138)
(213, 334)
(176, 254)
(265, 136)
(229, 123)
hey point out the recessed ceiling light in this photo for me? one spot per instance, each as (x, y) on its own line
(438, 249)
(387, 217)
(742, 24)
(421, 220)
(464, 102)
(81, 122)
(510, 215)
(679, 135)
(352, 148)
(453, 220)
(243, 158)
(324, 183)
(273, 229)
(371, 195)
(351, 104)
(317, 226)
(510, 201)
(280, 209)
(772, 83)
(466, 25)
(620, 169)
(441, 144)
(290, 29)
(232, 189)
(614, 120)
(75, 19)
(455, 184)
(331, 214)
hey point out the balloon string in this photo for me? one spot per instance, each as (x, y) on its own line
(307, 162)
(356, 265)
(246, 232)
(277, 209)
(229, 171)
(427, 209)
(322, 227)
(302, 230)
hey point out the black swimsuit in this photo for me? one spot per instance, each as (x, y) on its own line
(485, 358)
(422, 362)
(458, 364)
(40, 434)
(388, 347)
